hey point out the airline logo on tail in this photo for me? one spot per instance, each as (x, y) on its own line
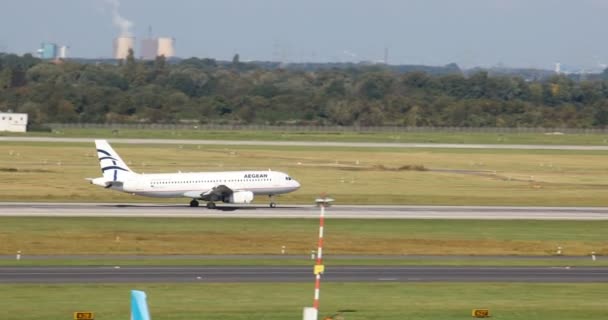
(112, 166)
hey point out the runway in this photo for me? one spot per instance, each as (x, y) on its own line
(299, 274)
(23, 209)
(320, 144)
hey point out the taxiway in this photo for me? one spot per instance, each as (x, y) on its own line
(320, 144)
(299, 274)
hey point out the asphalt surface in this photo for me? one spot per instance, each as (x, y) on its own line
(23, 209)
(299, 274)
(313, 143)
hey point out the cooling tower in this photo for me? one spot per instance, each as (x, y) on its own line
(166, 47)
(122, 46)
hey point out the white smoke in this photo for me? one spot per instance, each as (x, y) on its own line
(119, 21)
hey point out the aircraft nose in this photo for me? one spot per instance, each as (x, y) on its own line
(296, 184)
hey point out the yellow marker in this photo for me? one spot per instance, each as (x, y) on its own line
(480, 313)
(84, 316)
(319, 269)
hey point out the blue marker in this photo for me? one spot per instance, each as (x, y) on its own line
(139, 306)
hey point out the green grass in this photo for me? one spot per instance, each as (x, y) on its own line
(56, 172)
(427, 137)
(389, 301)
(328, 261)
(149, 236)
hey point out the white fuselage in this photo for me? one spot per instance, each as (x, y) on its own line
(192, 185)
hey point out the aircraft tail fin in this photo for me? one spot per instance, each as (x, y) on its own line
(112, 166)
(139, 306)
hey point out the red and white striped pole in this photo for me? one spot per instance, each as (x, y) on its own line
(319, 268)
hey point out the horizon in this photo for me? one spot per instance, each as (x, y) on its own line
(470, 33)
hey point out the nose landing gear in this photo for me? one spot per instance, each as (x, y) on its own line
(272, 203)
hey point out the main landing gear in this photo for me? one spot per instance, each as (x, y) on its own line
(194, 203)
(272, 203)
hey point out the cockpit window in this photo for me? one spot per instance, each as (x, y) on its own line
(288, 178)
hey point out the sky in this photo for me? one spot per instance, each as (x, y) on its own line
(513, 33)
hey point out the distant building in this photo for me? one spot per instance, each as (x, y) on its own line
(48, 50)
(63, 52)
(13, 122)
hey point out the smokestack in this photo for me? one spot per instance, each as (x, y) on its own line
(385, 55)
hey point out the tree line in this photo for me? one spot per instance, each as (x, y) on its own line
(207, 91)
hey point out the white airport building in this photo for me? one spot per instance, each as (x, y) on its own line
(13, 122)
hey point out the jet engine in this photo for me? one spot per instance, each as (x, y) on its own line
(240, 197)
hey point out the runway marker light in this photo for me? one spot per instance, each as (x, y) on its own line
(593, 256)
(18, 257)
(559, 251)
(282, 249)
(84, 316)
(480, 313)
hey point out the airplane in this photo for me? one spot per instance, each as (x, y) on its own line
(238, 187)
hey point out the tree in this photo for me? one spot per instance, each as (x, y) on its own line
(130, 66)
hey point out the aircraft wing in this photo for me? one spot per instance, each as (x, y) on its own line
(217, 193)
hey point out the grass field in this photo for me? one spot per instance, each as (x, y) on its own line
(39, 236)
(389, 301)
(56, 172)
(448, 261)
(428, 137)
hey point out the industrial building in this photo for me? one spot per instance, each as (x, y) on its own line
(50, 51)
(63, 52)
(13, 122)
